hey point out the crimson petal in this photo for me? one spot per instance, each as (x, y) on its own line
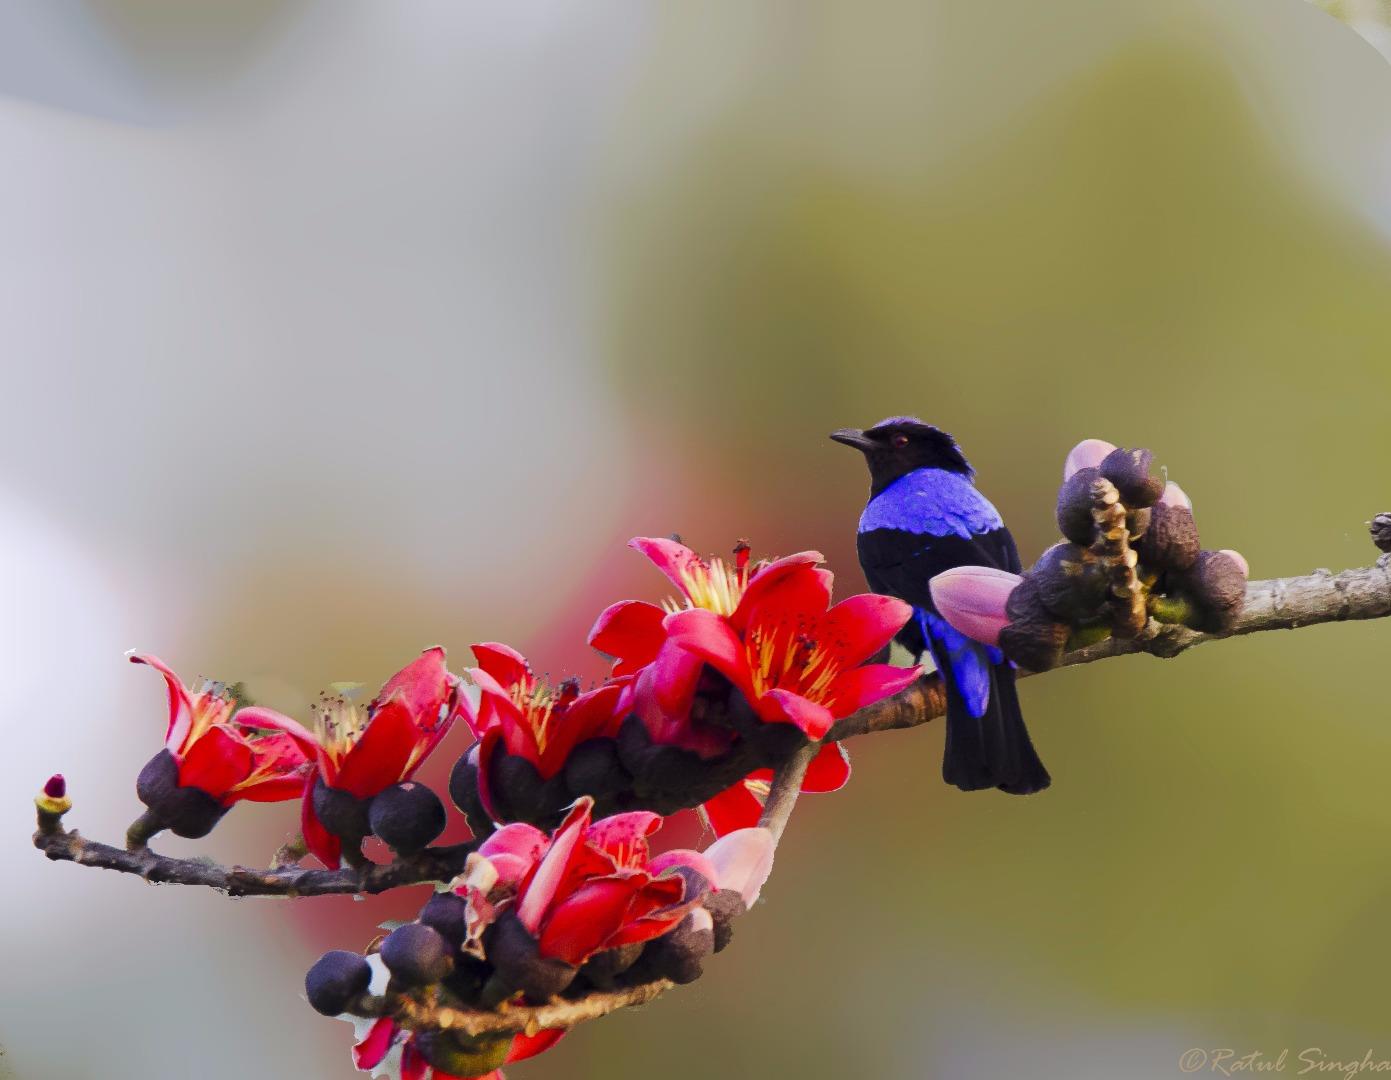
(381, 755)
(857, 628)
(180, 705)
(854, 689)
(733, 808)
(527, 1046)
(215, 763)
(829, 770)
(631, 632)
(585, 920)
(322, 844)
(502, 662)
(375, 1045)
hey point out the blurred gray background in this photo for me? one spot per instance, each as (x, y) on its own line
(332, 331)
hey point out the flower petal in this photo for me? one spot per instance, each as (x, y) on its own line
(783, 706)
(413, 1065)
(743, 859)
(708, 636)
(631, 632)
(322, 844)
(1087, 454)
(771, 576)
(732, 809)
(696, 860)
(257, 716)
(671, 557)
(215, 763)
(380, 756)
(861, 686)
(423, 684)
(374, 1046)
(973, 598)
(513, 850)
(583, 922)
(180, 705)
(857, 628)
(1175, 496)
(619, 835)
(539, 891)
(527, 1046)
(829, 770)
(502, 662)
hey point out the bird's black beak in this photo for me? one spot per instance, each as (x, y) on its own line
(850, 436)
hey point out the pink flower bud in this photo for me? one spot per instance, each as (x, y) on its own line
(972, 599)
(56, 787)
(1240, 559)
(1085, 455)
(743, 860)
(1175, 496)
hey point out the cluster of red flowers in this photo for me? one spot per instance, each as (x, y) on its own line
(708, 693)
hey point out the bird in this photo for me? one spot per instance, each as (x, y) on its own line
(924, 516)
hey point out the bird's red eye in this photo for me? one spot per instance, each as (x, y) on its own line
(900, 441)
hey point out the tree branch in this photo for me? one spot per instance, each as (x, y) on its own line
(1277, 604)
(508, 1018)
(432, 864)
(787, 785)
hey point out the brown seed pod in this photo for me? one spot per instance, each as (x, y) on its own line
(1216, 586)
(1171, 541)
(1129, 470)
(1071, 585)
(1075, 506)
(1033, 638)
(1381, 532)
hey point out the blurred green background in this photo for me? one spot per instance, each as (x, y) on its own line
(336, 330)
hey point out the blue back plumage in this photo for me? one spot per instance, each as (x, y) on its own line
(936, 502)
(970, 661)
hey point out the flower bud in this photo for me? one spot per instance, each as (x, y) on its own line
(1087, 454)
(1075, 506)
(417, 955)
(604, 969)
(1175, 496)
(1171, 541)
(447, 913)
(679, 954)
(1238, 558)
(56, 787)
(724, 905)
(972, 599)
(518, 963)
(186, 811)
(340, 812)
(1033, 638)
(460, 1055)
(1070, 585)
(406, 816)
(463, 793)
(743, 859)
(335, 979)
(1129, 470)
(517, 791)
(1216, 585)
(1380, 527)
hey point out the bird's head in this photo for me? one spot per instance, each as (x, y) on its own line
(900, 444)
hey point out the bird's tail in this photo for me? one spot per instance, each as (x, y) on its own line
(993, 749)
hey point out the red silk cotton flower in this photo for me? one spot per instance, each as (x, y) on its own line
(766, 627)
(589, 886)
(362, 751)
(230, 753)
(526, 718)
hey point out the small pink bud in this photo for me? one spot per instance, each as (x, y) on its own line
(743, 860)
(972, 599)
(1175, 496)
(1240, 559)
(56, 787)
(1086, 454)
